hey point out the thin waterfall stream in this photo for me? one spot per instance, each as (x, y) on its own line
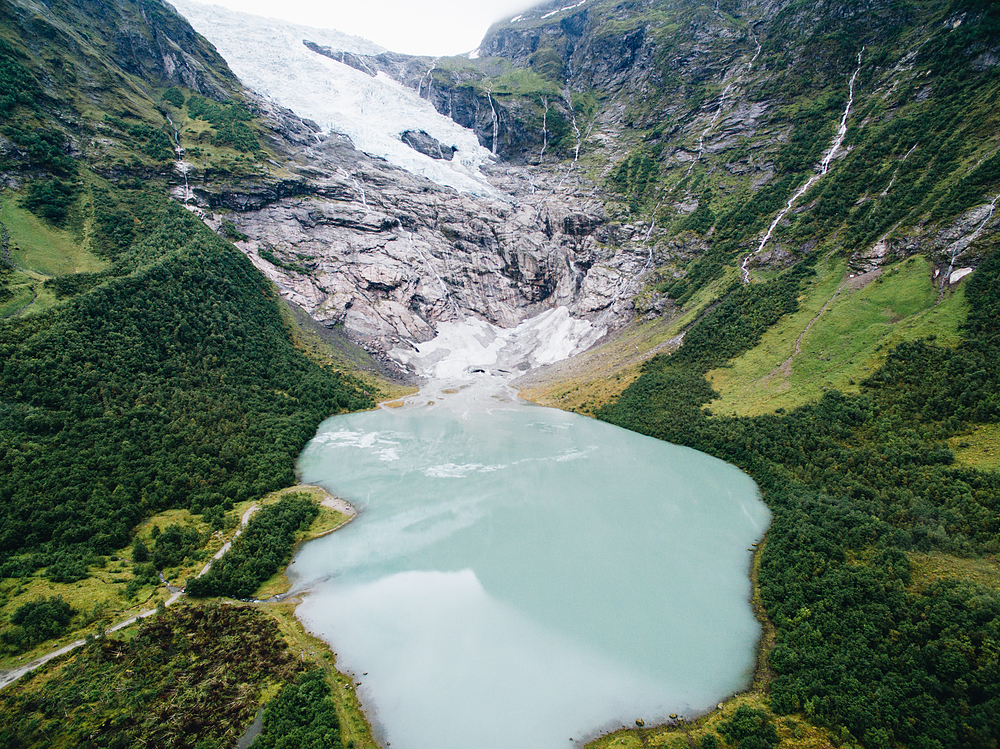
(824, 167)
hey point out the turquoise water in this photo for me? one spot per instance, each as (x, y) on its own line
(520, 576)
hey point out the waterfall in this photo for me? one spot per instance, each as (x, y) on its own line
(959, 246)
(180, 165)
(842, 130)
(567, 97)
(892, 180)
(444, 287)
(426, 75)
(722, 101)
(545, 132)
(576, 130)
(496, 120)
(824, 166)
(360, 189)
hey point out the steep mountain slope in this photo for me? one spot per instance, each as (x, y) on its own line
(726, 110)
(162, 374)
(720, 140)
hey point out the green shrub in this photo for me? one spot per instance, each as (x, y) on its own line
(18, 87)
(749, 729)
(50, 199)
(46, 148)
(174, 97)
(37, 621)
(73, 284)
(174, 545)
(229, 120)
(302, 716)
(152, 142)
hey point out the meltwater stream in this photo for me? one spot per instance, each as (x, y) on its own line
(522, 577)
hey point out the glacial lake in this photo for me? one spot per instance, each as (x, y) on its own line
(522, 577)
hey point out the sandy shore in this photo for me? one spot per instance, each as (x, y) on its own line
(338, 504)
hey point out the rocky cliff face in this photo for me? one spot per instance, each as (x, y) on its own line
(645, 147)
(388, 255)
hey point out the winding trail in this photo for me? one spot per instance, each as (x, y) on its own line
(852, 283)
(12, 675)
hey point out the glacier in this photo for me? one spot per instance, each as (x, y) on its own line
(268, 55)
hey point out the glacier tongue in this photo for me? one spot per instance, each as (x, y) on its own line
(472, 362)
(269, 56)
(463, 349)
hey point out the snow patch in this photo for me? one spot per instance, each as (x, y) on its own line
(470, 365)
(467, 349)
(568, 7)
(958, 274)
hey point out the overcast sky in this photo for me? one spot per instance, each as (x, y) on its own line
(430, 27)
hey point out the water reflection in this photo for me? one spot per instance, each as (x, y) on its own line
(519, 576)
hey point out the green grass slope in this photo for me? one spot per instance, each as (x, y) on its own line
(841, 333)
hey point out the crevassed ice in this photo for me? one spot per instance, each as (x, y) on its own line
(269, 56)
(462, 346)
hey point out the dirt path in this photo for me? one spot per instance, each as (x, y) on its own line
(9, 677)
(327, 499)
(852, 283)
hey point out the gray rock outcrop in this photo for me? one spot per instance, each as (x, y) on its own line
(388, 255)
(420, 141)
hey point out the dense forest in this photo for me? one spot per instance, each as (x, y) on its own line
(171, 383)
(855, 483)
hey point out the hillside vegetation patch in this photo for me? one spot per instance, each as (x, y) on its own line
(838, 337)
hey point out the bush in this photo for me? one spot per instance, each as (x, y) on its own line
(229, 122)
(749, 729)
(174, 97)
(17, 86)
(140, 552)
(50, 200)
(46, 149)
(302, 716)
(174, 545)
(67, 568)
(152, 142)
(37, 621)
